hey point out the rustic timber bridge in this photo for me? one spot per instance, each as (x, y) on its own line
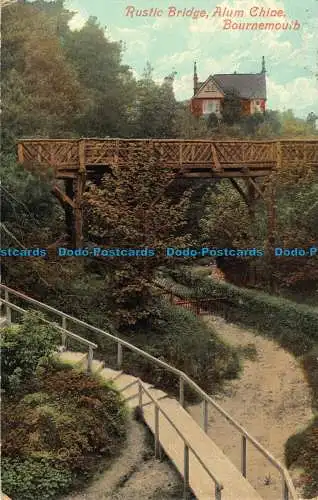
(76, 160)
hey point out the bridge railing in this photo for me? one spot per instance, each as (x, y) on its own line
(288, 489)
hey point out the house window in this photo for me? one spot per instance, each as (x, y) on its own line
(211, 107)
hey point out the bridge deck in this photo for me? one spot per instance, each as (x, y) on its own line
(195, 158)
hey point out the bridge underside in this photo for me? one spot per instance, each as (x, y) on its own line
(75, 161)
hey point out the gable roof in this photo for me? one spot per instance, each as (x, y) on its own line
(248, 85)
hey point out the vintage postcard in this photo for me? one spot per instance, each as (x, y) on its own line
(159, 249)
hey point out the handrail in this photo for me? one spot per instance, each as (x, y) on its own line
(141, 386)
(288, 487)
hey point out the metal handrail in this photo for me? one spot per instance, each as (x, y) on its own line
(65, 333)
(289, 492)
(142, 387)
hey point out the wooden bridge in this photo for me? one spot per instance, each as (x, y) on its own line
(76, 160)
(196, 158)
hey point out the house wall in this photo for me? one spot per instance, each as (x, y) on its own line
(257, 106)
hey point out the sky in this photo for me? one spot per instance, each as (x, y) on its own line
(173, 43)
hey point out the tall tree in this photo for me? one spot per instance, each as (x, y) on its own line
(131, 210)
(109, 84)
(40, 90)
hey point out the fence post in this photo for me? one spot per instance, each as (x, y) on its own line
(181, 392)
(186, 472)
(119, 355)
(285, 489)
(90, 359)
(7, 309)
(197, 307)
(63, 333)
(139, 393)
(205, 415)
(243, 457)
(218, 492)
(157, 442)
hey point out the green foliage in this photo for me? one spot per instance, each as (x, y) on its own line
(131, 209)
(26, 199)
(232, 110)
(33, 479)
(293, 325)
(41, 93)
(24, 347)
(301, 450)
(57, 429)
(179, 338)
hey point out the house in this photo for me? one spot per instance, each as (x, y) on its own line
(208, 97)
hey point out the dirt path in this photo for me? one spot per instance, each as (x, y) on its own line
(271, 400)
(135, 474)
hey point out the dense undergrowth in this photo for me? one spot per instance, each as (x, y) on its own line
(58, 425)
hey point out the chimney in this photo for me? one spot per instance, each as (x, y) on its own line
(195, 79)
(263, 65)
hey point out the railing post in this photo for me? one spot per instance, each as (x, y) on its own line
(139, 394)
(186, 472)
(7, 309)
(63, 333)
(205, 407)
(218, 492)
(285, 489)
(243, 457)
(90, 359)
(181, 391)
(119, 355)
(157, 442)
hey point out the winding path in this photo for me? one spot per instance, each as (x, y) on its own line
(271, 400)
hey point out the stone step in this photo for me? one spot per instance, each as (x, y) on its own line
(75, 358)
(97, 366)
(132, 391)
(236, 487)
(3, 321)
(132, 402)
(123, 380)
(110, 374)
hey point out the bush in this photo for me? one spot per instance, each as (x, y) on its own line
(302, 450)
(33, 479)
(23, 347)
(294, 326)
(57, 431)
(182, 340)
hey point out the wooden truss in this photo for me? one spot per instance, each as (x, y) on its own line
(75, 160)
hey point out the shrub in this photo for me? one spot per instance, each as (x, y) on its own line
(302, 449)
(294, 326)
(23, 347)
(72, 412)
(33, 479)
(182, 340)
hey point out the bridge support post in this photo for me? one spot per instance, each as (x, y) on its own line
(78, 222)
(68, 209)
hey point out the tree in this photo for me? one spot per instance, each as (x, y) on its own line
(130, 210)
(213, 121)
(40, 90)
(109, 84)
(232, 109)
(189, 126)
(311, 120)
(155, 107)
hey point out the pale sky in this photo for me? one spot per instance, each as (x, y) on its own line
(173, 43)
